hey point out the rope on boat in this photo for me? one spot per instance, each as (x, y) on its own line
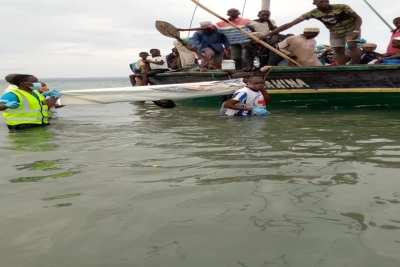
(265, 77)
(191, 21)
(244, 7)
(213, 74)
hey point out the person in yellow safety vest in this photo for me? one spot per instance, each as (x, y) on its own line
(24, 107)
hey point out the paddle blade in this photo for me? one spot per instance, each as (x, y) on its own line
(167, 29)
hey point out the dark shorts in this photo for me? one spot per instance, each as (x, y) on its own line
(154, 72)
(24, 126)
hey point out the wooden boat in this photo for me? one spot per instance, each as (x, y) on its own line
(328, 86)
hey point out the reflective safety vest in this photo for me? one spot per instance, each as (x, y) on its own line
(31, 110)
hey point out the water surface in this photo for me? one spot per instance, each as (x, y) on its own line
(136, 185)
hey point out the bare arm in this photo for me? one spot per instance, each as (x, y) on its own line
(285, 27)
(357, 26)
(3, 107)
(251, 27)
(51, 102)
(156, 62)
(271, 26)
(380, 60)
(357, 21)
(266, 96)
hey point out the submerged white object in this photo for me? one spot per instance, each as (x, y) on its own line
(150, 93)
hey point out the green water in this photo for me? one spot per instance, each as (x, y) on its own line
(135, 185)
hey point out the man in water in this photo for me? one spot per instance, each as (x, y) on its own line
(211, 42)
(343, 23)
(8, 79)
(237, 39)
(24, 107)
(301, 47)
(250, 100)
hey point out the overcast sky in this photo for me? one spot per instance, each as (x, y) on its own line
(99, 38)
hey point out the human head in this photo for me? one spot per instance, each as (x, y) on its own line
(321, 4)
(155, 52)
(24, 81)
(143, 55)
(264, 15)
(233, 13)
(369, 47)
(256, 83)
(207, 26)
(310, 33)
(396, 22)
(9, 77)
(396, 42)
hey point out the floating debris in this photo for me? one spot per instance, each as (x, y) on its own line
(61, 197)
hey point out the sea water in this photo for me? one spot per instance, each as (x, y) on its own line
(136, 185)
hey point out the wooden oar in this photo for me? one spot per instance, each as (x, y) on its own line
(251, 36)
(169, 30)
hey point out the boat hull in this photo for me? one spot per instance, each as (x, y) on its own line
(378, 100)
(323, 87)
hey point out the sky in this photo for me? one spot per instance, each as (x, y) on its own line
(100, 38)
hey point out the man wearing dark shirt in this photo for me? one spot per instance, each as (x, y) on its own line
(211, 42)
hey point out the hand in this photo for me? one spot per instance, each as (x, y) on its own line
(53, 93)
(355, 36)
(46, 93)
(260, 111)
(265, 68)
(12, 104)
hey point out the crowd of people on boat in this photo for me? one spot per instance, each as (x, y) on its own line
(214, 42)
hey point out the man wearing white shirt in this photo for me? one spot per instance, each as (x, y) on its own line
(263, 25)
(158, 64)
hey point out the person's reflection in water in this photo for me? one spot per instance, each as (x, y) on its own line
(32, 140)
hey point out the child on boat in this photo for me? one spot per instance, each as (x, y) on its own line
(250, 100)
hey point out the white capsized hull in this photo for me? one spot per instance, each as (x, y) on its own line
(150, 93)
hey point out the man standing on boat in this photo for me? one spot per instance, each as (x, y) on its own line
(263, 25)
(396, 45)
(343, 23)
(237, 39)
(301, 48)
(211, 42)
(395, 33)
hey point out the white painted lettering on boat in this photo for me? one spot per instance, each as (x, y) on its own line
(286, 84)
